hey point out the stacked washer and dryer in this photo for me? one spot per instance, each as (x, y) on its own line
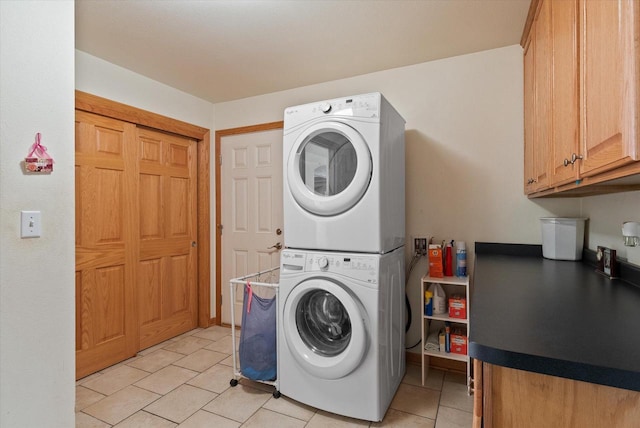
(341, 304)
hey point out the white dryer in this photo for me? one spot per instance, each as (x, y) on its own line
(341, 330)
(344, 170)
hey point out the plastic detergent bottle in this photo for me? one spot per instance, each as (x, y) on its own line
(448, 260)
(447, 336)
(428, 303)
(461, 259)
(439, 298)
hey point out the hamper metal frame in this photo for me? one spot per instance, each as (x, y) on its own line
(247, 280)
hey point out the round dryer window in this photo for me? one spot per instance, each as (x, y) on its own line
(324, 328)
(329, 168)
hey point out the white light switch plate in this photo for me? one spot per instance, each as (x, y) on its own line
(31, 224)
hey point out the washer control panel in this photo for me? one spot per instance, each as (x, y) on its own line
(363, 267)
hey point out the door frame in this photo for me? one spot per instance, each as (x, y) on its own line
(113, 109)
(218, 162)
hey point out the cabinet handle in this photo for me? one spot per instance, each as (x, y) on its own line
(574, 158)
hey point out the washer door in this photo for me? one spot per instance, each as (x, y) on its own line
(329, 168)
(324, 327)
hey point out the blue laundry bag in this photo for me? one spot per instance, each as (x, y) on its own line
(258, 337)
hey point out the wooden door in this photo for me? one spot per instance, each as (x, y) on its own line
(251, 175)
(565, 102)
(609, 84)
(167, 264)
(106, 244)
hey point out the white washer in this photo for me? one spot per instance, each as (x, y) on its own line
(341, 330)
(344, 169)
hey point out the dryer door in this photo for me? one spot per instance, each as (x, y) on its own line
(329, 168)
(324, 327)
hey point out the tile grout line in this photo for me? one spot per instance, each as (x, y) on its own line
(227, 366)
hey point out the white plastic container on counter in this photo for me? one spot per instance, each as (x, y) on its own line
(562, 238)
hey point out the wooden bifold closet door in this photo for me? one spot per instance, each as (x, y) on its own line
(167, 271)
(136, 228)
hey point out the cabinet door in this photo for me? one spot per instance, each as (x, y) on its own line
(529, 114)
(516, 398)
(542, 116)
(565, 101)
(608, 84)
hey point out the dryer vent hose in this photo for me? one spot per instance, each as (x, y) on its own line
(407, 325)
(412, 264)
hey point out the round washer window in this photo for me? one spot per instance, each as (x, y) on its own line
(323, 323)
(336, 328)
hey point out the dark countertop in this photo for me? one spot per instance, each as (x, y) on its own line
(559, 318)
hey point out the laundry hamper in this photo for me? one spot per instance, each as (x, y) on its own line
(257, 353)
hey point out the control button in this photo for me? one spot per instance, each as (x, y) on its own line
(323, 262)
(325, 107)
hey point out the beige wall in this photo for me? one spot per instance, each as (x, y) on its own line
(99, 77)
(606, 214)
(464, 144)
(464, 147)
(37, 316)
(464, 123)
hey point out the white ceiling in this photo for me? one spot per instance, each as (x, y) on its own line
(222, 50)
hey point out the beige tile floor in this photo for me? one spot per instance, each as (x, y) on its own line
(184, 382)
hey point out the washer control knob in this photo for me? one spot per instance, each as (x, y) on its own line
(323, 262)
(325, 107)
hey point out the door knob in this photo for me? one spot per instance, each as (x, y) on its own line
(278, 246)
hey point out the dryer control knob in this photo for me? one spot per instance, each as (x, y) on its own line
(323, 262)
(325, 107)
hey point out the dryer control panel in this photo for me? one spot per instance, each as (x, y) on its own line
(357, 106)
(356, 266)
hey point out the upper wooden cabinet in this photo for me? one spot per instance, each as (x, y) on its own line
(529, 127)
(551, 95)
(609, 84)
(537, 80)
(542, 88)
(564, 102)
(581, 96)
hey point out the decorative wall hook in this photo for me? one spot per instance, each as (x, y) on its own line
(38, 160)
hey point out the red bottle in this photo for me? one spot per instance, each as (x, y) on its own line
(448, 260)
